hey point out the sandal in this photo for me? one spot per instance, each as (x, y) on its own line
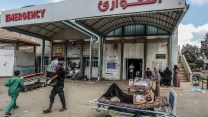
(46, 111)
(7, 114)
(62, 109)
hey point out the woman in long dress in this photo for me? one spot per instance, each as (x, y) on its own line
(156, 78)
(176, 79)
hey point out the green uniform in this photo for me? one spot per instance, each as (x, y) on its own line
(14, 84)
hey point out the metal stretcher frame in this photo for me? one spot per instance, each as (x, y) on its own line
(135, 111)
(171, 109)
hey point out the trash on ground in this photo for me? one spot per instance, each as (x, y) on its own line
(197, 90)
(181, 94)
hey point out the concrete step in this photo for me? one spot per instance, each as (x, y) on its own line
(183, 74)
(184, 80)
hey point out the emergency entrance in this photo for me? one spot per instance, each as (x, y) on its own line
(102, 29)
(138, 69)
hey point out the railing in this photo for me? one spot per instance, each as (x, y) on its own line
(186, 67)
(197, 79)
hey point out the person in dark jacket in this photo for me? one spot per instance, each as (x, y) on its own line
(167, 77)
(57, 89)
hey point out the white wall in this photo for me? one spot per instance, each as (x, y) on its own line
(133, 51)
(152, 50)
(6, 62)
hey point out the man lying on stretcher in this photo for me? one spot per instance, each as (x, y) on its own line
(145, 85)
(115, 94)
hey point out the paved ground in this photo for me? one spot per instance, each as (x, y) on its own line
(79, 94)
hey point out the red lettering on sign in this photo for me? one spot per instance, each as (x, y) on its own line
(103, 5)
(28, 15)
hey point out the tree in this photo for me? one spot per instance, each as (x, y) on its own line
(200, 63)
(204, 47)
(191, 53)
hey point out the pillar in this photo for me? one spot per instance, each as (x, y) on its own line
(50, 52)
(100, 58)
(91, 56)
(65, 58)
(43, 56)
(122, 54)
(171, 45)
(145, 57)
(81, 59)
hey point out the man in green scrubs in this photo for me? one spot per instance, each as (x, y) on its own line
(15, 84)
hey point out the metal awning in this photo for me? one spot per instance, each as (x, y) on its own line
(47, 21)
(50, 31)
(166, 20)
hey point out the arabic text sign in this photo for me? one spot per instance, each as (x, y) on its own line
(105, 5)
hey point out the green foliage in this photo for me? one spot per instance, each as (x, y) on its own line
(199, 63)
(204, 47)
(192, 66)
(191, 53)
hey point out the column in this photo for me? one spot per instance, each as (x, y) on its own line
(43, 56)
(50, 52)
(91, 57)
(65, 58)
(145, 57)
(100, 58)
(81, 59)
(122, 54)
(172, 55)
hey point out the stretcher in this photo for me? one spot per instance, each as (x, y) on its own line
(33, 81)
(125, 110)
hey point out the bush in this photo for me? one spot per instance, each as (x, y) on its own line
(200, 63)
(192, 66)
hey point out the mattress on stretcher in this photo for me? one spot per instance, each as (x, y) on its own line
(159, 102)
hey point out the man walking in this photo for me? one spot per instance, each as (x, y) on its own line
(15, 84)
(58, 85)
(131, 71)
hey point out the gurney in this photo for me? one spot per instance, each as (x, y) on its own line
(162, 107)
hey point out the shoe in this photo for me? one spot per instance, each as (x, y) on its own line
(7, 114)
(46, 111)
(62, 109)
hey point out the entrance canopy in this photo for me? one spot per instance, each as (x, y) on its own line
(99, 16)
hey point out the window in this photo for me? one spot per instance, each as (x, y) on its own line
(137, 30)
(129, 30)
(151, 30)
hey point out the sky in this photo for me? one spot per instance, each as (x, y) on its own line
(192, 28)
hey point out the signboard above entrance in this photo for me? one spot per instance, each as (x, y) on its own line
(27, 15)
(65, 10)
(104, 5)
